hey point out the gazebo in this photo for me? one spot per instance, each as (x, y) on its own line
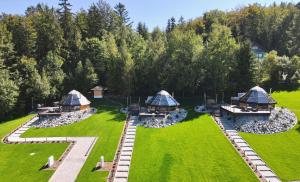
(74, 101)
(257, 98)
(162, 102)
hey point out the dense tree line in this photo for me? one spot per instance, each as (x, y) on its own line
(49, 51)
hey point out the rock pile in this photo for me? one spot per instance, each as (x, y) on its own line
(161, 122)
(65, 119)
(280, 119)
(201, 109)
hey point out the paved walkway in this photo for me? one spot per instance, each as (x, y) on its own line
(69, 169)
(71, 165)
(254, 161)
(123, 165)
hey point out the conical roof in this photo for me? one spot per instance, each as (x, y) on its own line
(75, 98)
(257, 95)
(162, 98)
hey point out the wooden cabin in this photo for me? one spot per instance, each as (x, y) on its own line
(97, 92)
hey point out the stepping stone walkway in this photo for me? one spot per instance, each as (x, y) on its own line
(71, 165)
(252, 158)
(123, 164)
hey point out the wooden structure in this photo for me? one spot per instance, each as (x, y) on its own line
(255, 102)
(97, 92)
(257, 98)
(74, 101)
(162, 102)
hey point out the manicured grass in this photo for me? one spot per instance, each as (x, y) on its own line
(195, 150)
(107, 124)
(16, 163)
(281, 151)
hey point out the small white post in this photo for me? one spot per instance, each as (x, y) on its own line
(50, 161)
(102, 161)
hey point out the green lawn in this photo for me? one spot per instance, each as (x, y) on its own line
(195, 150)
(281, 151)
(107, 124)
(16, 163)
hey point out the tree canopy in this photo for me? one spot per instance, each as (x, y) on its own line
(49, 51)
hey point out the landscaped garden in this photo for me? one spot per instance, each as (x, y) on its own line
(281, 151)
(23, 162)
(195, 150)
(106, 124)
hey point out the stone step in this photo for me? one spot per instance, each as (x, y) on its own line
(121, 175)
(236, 137)
(120, 180)
(239, 141)
(129, 141)
(242, 144)
(126, 153)
(127, 148)
(272, 179)
(130, 137)
(231, 131)
(131, 130)
(250, 153)
(128, 144)
(258, 162)
(263, 168)
(246, 149)
(122, 168)
(125, 158)
(253, 157)
(132, 127)
(267, 174)
(124, 163)
(130, 133)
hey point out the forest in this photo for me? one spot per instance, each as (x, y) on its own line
(49, 51)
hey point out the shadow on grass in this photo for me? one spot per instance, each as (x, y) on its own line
(165, 167)
(297, 127)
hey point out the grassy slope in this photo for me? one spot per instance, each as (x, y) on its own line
(16, 163)
(281, 151)
(191, 151)
(107, 124)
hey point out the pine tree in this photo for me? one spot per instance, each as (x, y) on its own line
(168, 29)
(66, 18)
(173, 23)
(143, 30)
(121, 11)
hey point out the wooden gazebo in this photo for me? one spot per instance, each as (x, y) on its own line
(257, 98)
(162, 102)
(74, 101)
